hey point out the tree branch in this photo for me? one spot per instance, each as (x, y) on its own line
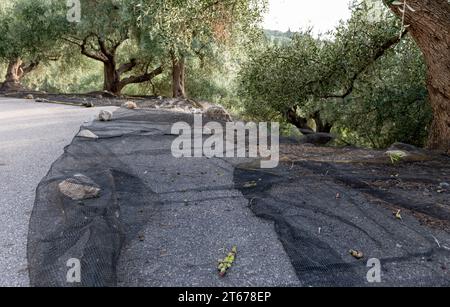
(29, 68)
(84, 51)
(127, 67)
(142, 78)
(378, 54)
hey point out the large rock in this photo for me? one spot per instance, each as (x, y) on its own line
(79, 187)
(105, 116)
(130, 105)
(88, 134)
(218, 113)
(317, 138)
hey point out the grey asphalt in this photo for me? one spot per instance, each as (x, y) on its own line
(32, 136)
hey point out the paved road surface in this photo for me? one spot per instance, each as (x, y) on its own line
(32, 137)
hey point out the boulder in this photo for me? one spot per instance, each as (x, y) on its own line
(129, 105)
(218, 113)
(29, 96)
(105, 116)
(87, 134)
(79, 187)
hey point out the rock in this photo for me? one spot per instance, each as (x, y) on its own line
(317, 138)
(407, 152)
(105, 116)
(218, 113)
(29, 96)
(87, 134)
(87, 104)
(41, 100)
(79, 187)
(129, 105)
(444, 185)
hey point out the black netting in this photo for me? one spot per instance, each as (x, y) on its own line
(91, 230)
(322, 210)
(187, 212)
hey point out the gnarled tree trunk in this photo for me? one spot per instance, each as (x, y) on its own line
(111, 79)
(97, 48)
(302, 123)
(430, 28)
(178, 77)
(15, 72)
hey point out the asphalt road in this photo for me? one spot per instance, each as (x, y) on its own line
(32, 136)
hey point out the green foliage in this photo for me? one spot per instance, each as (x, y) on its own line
(191, 27)
(372, 95)
(30, 29)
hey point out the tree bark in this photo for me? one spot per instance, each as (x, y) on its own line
(178, 77)
(111, 79)
(15, 72)
(301, 123)
(321, 125)
(429, 26)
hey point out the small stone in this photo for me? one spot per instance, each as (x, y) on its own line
(356, 254)
(41, 100)
(87, 134)
(87, 104)
(29, 96)
(105, 116)
(129, 105)
(79, 187)
(444, 185)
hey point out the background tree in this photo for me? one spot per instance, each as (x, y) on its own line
(107, 33)
(289, 76)
(28, 38)
(191, 28)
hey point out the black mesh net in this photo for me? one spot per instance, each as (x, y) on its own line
(190, 209)
(322, 211)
